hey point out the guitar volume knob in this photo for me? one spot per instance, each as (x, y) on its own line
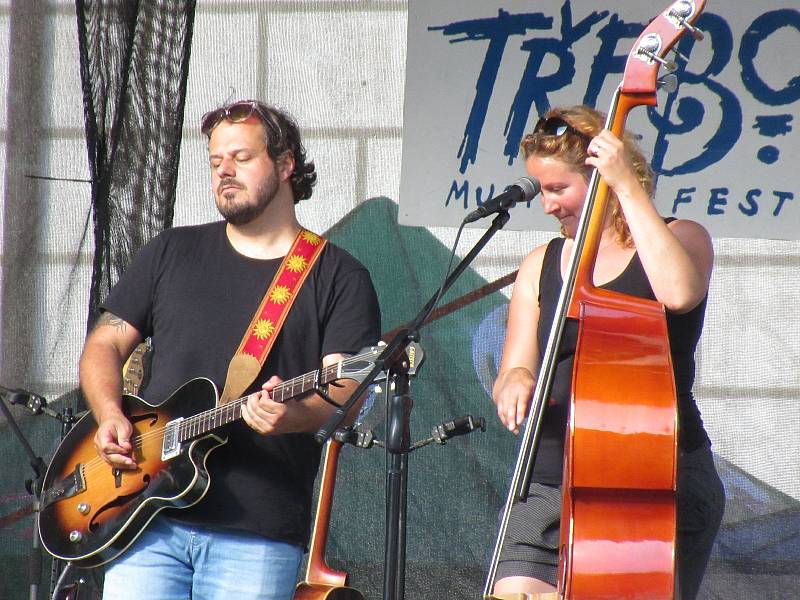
(83, 508)
(75, 536)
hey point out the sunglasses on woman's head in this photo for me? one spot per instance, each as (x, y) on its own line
(557, 127)
(235, 113)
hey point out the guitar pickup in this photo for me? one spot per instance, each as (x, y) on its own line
(172, 443)
(66, 488)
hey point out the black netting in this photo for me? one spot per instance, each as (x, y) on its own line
(134, 64)
(134, 60)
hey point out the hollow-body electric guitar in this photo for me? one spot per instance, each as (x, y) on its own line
(91, 512)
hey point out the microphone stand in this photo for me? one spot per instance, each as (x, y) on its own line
(37, 405)
(35, 488)
(398, 415)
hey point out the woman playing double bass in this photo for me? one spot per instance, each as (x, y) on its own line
(640, 254)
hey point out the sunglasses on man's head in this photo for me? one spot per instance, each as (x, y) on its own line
(235, 113)
(557, 126)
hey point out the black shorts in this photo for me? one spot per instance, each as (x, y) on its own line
(530, 548)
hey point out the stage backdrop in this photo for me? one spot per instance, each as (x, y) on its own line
(340, 68)
(480, 73)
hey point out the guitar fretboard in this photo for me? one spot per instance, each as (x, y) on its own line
(229, 412)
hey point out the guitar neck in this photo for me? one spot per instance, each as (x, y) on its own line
(229, 412)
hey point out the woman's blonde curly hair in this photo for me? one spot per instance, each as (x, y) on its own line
(571, 150)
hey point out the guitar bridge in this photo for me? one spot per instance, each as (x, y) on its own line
(172, 443)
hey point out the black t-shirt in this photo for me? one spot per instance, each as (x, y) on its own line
(195, 295)
(684, 332)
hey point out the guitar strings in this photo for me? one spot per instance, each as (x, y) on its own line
(139, 440)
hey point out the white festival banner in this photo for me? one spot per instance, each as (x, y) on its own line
(724, 145)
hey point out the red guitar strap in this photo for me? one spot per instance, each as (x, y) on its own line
(269, 318)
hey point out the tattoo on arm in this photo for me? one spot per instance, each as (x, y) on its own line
(112, 320)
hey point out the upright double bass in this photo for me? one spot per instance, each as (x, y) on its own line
(618, 513)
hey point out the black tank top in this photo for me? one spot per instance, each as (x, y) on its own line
(684, 332)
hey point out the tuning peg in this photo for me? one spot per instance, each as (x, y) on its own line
(669, 65)
(696, 33)
(668, 82)
(649, 48)
(678, 55)
(680, 12)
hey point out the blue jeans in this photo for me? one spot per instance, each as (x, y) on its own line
(176, 561)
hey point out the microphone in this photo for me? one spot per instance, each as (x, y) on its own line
(522, 190)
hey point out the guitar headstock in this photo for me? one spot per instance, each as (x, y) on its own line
(133, 370)
(658, 38)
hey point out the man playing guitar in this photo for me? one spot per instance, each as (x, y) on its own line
(194, 290)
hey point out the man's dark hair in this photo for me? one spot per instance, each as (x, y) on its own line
(282, 136)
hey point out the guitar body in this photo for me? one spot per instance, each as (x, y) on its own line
(90, 512)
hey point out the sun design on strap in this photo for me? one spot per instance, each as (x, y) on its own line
(296, 263)
(263, 329)
(311, 237)
(280, 294)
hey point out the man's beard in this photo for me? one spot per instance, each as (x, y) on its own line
(242, 213)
